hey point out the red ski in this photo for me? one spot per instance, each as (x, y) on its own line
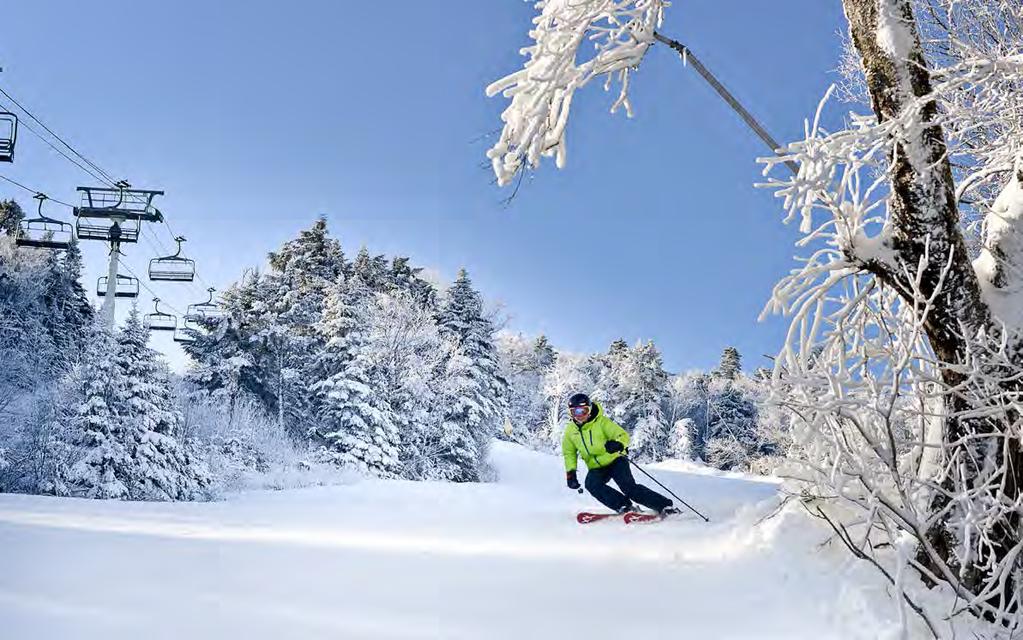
(585, 517)
(642, 518)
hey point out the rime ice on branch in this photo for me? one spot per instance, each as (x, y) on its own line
(541, 91)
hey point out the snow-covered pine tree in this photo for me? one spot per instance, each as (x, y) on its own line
(226, 361)
(405, 348)
(67, 312)
(162, 467)
(606, 372)
(732, 417)
(730, 365)
(372, 270)
(524, 365)
(11, 215)
(686, 409)
(292, 296)
(642, 388)
(570, 373)
(355, 423)
(105, 465)
(543, 354)
(458, 450)
(26, 343)
(404, 278)
(477, 404)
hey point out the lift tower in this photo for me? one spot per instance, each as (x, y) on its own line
(114, 216)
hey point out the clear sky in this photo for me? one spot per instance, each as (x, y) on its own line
(258, 116)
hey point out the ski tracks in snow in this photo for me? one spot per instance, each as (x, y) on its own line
(389, 559)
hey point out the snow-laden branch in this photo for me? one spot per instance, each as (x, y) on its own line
(557, 65)
(918, 442)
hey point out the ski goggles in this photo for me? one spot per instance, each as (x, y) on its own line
(579, 412)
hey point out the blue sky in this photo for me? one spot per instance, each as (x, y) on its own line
(257, 117)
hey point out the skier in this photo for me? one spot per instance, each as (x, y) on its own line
(603, 445)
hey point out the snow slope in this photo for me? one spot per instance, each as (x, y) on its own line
(390, 559)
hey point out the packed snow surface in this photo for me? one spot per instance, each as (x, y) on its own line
(394, 559)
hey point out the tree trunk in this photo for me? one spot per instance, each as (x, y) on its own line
(925, 230)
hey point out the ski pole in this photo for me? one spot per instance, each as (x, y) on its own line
(705, 518)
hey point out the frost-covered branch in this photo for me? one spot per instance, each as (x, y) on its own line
(558, 64)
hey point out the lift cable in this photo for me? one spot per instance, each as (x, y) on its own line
(103, 177)
(142, 282)
(54, 134)
(35, 191)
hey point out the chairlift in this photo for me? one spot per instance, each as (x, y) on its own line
(184, 335)
(172, 268)
(44, 232)
(115, 215)
(124, 287)
(158, 320)
(106, 229)
(8, 135)
(120, 202)
(203, 310)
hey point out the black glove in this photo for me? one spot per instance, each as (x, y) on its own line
(613, 446)
(573, 482)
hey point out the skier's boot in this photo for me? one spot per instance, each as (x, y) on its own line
(669, 510)
(628, 507)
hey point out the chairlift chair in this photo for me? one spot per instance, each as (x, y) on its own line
(203, 310)
(183, 335)
(120, 202)
(106, 229)
(158, 320)
(172, 268)
(124, 287)
(44, 232)
(8, 135)
(115, 215)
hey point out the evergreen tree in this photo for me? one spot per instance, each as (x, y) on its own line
(606, 371)
(524, 365)
(731, 364)
(406, 351)
(688, 403)
(162, 467)
(404, 278)
(372, 270)
(543, 354)
(459, 442)
(356, 424)
(642, 387)
(105, 465)
(11, 215)
(311, 262)
(67, 313)
(477, 404)
(732, 434)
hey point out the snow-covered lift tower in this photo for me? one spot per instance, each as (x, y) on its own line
(114, 215)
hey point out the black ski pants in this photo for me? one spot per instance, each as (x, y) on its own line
(619, 471)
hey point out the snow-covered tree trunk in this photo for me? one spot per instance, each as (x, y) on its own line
(925, 233)
(923, 203)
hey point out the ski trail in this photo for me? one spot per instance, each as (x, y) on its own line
(387, 559)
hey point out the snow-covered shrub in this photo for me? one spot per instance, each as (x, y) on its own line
(246, 449)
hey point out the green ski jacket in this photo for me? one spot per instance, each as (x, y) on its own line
(587, 440)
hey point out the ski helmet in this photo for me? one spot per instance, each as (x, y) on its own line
(579, 400)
